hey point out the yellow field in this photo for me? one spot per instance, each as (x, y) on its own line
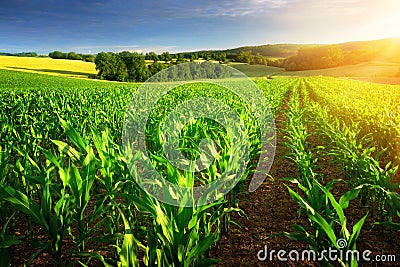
(58, 67)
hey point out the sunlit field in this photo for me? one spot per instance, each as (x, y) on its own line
(69, 68)
(200, 133)
(64, 174)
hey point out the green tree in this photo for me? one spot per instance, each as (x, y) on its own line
(180, 59)
(260, 60)
(319, 57)
(110, 67)
(206, 56)
(156, 67)
(214, 56)
(221, 57)
(136, 65)
(73, 56)
(56, 54)
(88, 58)
(246, 57)
(152, 56)
(165, 56)
(194, 56)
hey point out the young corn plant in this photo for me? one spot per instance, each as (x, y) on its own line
(7, 215)
(324, 235)
(63, 191)
(181, 235)
(78, 177)
(53, 215)
(299, 152)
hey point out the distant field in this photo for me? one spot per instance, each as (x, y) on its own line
(369, 70)
(80, 69)
(375, 71)
(58, 67)
(274, 58)
(256, 70)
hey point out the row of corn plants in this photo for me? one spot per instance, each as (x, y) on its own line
(361, 164)
(373, 107)
(325, 213)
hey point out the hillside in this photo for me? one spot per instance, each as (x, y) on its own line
(391, 45)
(376, 61)
(270, 50)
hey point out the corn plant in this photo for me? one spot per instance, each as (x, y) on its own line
(7, 215)
(323, 235)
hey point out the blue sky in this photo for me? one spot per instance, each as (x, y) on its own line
(185, 25)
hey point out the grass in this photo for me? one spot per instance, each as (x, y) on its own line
(57, 67)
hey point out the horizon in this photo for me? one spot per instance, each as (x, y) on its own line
(183, 26)
(211, 49)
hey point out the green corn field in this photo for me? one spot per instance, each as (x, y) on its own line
(67, 189)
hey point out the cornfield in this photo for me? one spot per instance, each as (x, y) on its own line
(64, 172)
(67, 189)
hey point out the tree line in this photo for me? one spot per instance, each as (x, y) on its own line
(23, 54)
(188, 56)
(132, 67)
(311, 58)
(243, 56)
(322, 57)
(249, 58)
(72, 56)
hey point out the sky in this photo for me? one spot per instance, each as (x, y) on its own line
(187, 25)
